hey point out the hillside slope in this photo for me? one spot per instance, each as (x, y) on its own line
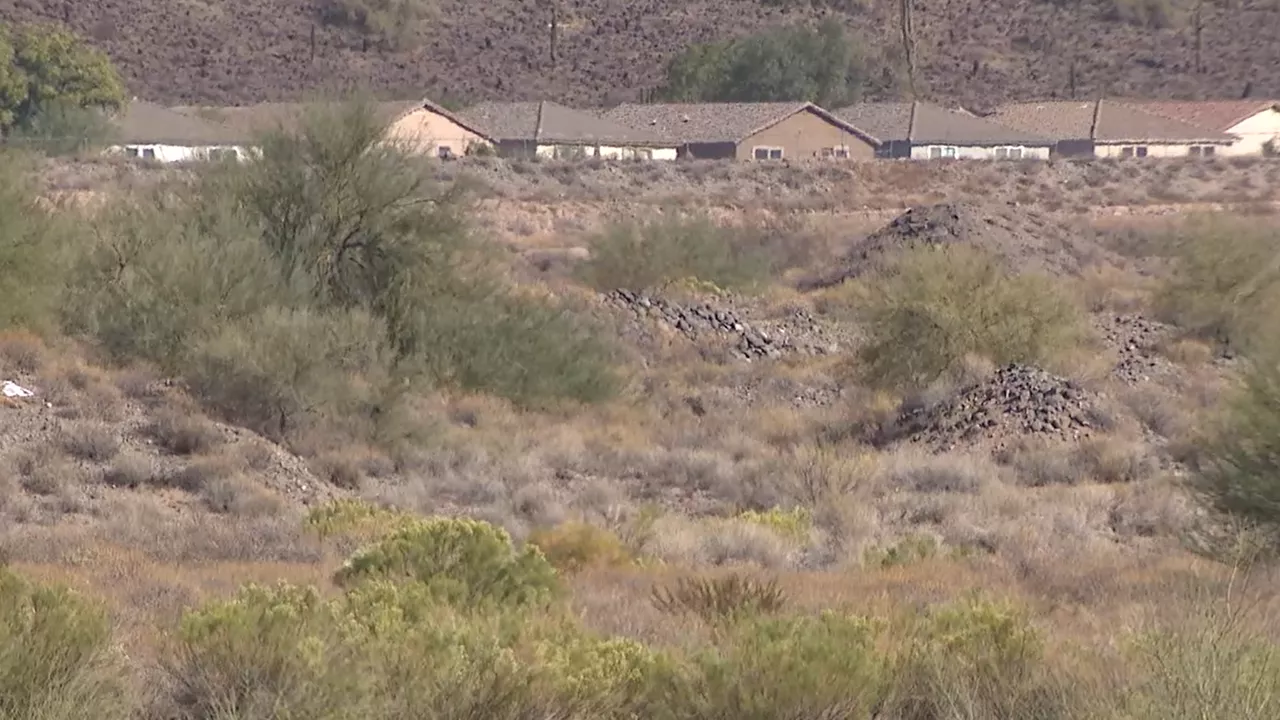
(228, 51)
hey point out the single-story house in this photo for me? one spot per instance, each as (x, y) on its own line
(1110, 129)
(924, 131)
(421, 125)
(153, 132)
(550, 130)
(1254, 123)
(749, 131)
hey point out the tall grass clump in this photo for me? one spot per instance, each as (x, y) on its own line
(1225, 280)
(57, 660)
(647, 254)
(932, 307)
(317, 281)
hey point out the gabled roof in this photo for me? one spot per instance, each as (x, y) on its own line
(1104, 121)
(718, 122)
(553, 123)
(926, 123)
(145, 122)
(247, 121)
(1220, 115)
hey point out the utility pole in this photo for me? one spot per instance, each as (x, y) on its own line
(313, 43)
(1199, 30)
(554, 27)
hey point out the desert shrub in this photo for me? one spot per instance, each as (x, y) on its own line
(183, 433)
(1158, 14)
(32, 247)
(794, 524)
(353, 518)
(60, 128)
(973, 658)
(97, 442)
(644, 255)
(1238, 469)
(911, 549)
(57, 660)
(1225, 282)
(271, 370)
(935, 306)
(1212, 664)
(573, 546)
(462, 560)
(603, 677)
(823, 666)
(720, 599)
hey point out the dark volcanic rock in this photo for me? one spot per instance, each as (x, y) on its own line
(1016, 401)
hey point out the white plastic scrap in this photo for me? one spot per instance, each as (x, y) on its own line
(14, 390)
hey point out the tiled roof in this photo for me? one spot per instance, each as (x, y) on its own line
(552, 122)
(1105, 121)
(1220, 115)
(926, 123)
(716, 122)
(145, 122)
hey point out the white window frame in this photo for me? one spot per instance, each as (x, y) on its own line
(839, 152)
(943, 152)
(772, 152)
(1130, 151)
(1202, 151)
(1010, 152)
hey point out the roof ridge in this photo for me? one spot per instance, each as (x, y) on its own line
(1096, 121)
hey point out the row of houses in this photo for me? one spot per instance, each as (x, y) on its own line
(1104, 128)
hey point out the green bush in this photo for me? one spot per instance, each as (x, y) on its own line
(395, 23)
(1225, 283)
(462, 560)
(574, 546)
(935, 306)
(644, 255)
(823, 666)
(33, 251)
(823, 65)
(61, 128)
(353, 517)
(380, 651)
(1238, 468)
(57, 660)
(44, 65)
(974, 658)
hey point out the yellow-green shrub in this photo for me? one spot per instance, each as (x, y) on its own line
(795, 524)
(462, 560)
(977, 655)
(823, 666)
(572, 546)
(719, 600)
(56, 656)
(934, 306)
(354, 518)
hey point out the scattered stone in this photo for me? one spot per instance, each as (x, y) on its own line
(1016, 401)
(798, 332)
(1135, 340)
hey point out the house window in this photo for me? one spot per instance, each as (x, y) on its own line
(1202, 150)
(569, 152)
(1129, 151)
(149, 153)
(1009, 153)
(943, 152)
(767, 153)
(644, 153)
(444, 152)
(131, 152)
(838, 153)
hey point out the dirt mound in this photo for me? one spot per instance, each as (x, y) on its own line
(797, 332)
(1016, 401)
(1135, 341)
(1025, 238)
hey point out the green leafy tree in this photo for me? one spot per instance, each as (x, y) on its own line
(43, 65)
(822, 65)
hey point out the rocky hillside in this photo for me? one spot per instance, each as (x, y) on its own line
(228, 51)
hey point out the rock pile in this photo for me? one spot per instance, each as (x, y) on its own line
(1135, 340)
(1016, 401)
(797, 333)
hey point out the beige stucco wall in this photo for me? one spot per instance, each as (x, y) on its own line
(426, 132)
(921, 152)
(803, 136)
(1170, 150)
(1254, 133)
